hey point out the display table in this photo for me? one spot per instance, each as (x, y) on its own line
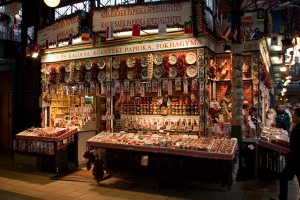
(50, 149)
(168, 164)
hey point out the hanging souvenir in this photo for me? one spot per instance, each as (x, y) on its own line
(92, 89)
(142, 89)
(126, 86)
(165, 85)
(148, 87)
(113, 89)
(159, 89)
(137, 87)
(107, 92)
(154, 85)
(102, 88)
(131, 90)
(117, 87)
(185, 86)
(121, 89)
(86, 90)
(178, 84)
(97, 90)
(170, 87)
(194, 85)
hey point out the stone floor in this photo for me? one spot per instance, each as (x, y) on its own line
(20, 182)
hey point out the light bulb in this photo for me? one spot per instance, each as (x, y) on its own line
(52, 3)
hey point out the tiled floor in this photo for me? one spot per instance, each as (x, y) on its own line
(17, 182)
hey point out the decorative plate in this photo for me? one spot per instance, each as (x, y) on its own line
(57, 70)
(130, 75)
(88, 65)
(115, 74)
(101, 76)
(190, 58)
(255, 81)
(78, 66)
(77, 77)
(144, 73)
(144, 62)
(130, 62)
(201, 74)
(48, 70)
(157, 72)
(68, 68)
(67, 77)
(88, 76)
(172, 59)
(116, 63)
(191, 71)
(101, 63)
(158, 59)
(173, 72)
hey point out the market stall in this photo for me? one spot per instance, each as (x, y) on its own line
(273, 146)
(52, 149)
(168, 158)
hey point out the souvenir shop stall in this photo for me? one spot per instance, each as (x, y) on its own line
(66, 102)
(273, 143)
(158, 97)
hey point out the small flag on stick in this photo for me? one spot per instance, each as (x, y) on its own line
(188, 27)
(162, 29)
(136, 30)
(85, 34)
(109, 33)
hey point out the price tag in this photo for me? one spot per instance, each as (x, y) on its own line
(144, 160)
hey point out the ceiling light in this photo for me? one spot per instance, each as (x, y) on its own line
(227, 48)
(52, 3)
(283, 69)
(35, 50)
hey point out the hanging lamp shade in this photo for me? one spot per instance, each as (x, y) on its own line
(52, 3)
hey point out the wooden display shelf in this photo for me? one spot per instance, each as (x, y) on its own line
(165, 150)
(47, 139)
(274, 147)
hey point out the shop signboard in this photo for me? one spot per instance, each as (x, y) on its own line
(59, 31)
(265, 53)
(122, 18)
(154, 46)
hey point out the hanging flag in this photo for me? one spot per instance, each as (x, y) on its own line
(226, 33)
(234, 34)
(162, 29)
(258, 33)
(247, 16)
(221, 19)
(85, 34)
(274, 39)
(57, 41)
(109, 33)
(188, 27)
(136, 30)
(260, 15)
(229, 20)
(70, 39)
